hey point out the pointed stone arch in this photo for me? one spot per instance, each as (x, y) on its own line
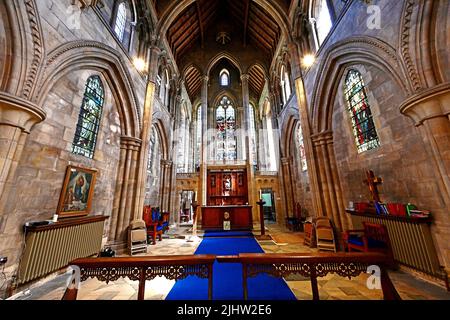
(356, 50)
(99, 57)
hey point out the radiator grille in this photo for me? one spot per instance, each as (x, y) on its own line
(411, 242)
(49, 250)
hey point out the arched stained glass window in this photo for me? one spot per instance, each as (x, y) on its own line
(301, 148)
(89, 118)
(224, 78)
(121, 21)
(359, 109)
(226, 131)
(252, 135)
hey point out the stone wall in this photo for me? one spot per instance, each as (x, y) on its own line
(47, 153)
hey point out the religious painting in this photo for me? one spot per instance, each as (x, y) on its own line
(227, 184)
(76, 195)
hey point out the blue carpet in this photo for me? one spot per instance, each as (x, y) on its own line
(227, 277)
(209, 234)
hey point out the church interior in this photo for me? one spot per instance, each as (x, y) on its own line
(224, 150)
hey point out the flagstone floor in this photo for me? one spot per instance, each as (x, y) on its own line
(331, 287)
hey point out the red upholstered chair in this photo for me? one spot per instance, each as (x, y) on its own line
(154, 226)
(373, 238)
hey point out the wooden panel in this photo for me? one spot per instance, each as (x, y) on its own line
(220, 194)
(240, 217)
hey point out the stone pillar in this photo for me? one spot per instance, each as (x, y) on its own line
(307, 130)
(17, 118)
(287, 186)
(430, 111)
(252, 192)
(331, 194)
(166, 184)
(146, 132)
(204, 147)
(124, 198)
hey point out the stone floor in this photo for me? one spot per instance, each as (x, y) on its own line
(179, 242)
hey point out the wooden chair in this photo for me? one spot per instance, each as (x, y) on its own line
(309, 240)
(373, 238)
(137, 237)
(325, 234)
(154, 226)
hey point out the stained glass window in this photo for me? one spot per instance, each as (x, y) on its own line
(301, 148)
(121, 20)
(252, 135)
(226, 131)
(89, 118)
(224, 78)
(358, 106)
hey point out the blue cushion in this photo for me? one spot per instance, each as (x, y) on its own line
(372, 243)
(159, 228)
(356, 240)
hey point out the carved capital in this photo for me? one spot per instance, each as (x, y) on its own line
(428, 104)
(325, 137)
(20, 113)
(130, 143)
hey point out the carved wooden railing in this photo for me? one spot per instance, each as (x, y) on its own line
(142, 269)
(313, 265)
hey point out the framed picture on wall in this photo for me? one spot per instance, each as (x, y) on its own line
(76, 195)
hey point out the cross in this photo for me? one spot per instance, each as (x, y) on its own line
(373, 181)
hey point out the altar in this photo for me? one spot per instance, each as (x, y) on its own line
(227, 206)
(240, 217)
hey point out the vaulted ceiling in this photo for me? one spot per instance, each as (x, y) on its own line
(257, 27)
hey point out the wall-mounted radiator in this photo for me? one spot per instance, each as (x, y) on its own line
(49, 248)
(412, 244)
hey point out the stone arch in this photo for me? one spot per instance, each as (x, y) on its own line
(161, 130)
(24, 52)
(229, 95)
(220, 56)
(95, 56)
(358, 50)
(288, 131)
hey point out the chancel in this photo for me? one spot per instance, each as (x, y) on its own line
(224, 150)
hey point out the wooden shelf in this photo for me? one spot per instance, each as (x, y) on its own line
(389, 217)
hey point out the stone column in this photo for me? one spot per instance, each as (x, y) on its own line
(17, 118)
(430, 111)
(304, 117)
(331, 193)
(204, 147)
(124, 198)
(252, 192)
(287, 186)
(166, 184)
(146, 131)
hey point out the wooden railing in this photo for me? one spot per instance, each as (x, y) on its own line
(142, 269)
(313, 265)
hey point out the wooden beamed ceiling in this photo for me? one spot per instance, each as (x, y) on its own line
(193, 82)
(257, 80)
(252, 25)
(188, 29)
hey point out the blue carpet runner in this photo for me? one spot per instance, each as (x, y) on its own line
(227, 277)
